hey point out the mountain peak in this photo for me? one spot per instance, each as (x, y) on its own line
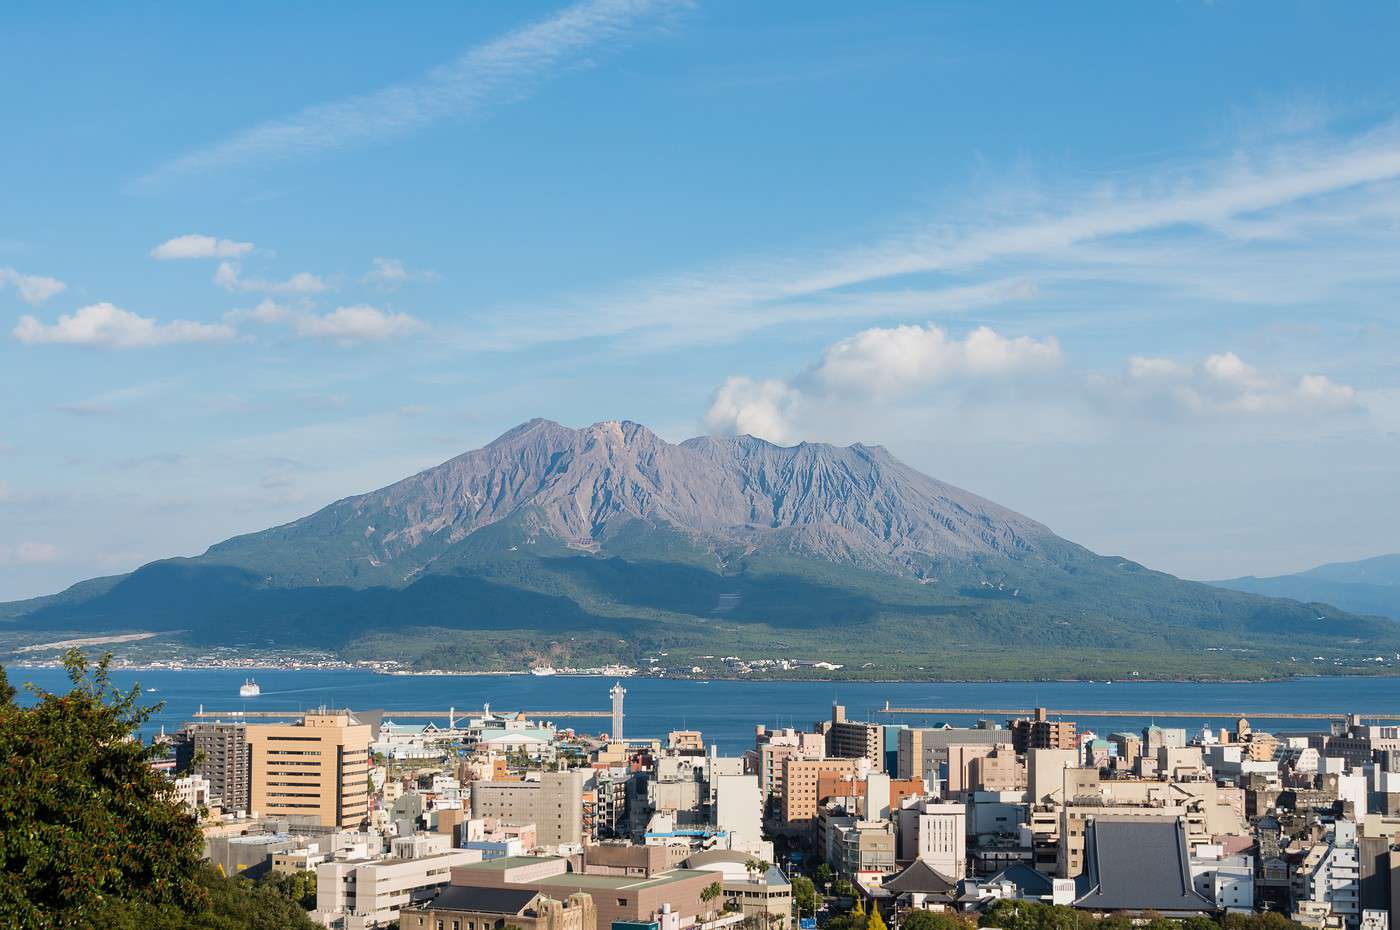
(806, 547)
(582, 486)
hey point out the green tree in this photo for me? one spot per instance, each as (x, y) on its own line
(299, 887)
(84, 819)
(90, 834)
(933, 920)
(1198, 922)
(7, 691)
(1012, 915)
(231, 904)
(825, 876)
(709, 893)
(804, 895)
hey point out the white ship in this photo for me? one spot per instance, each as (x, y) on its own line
(250, 689)
(546, 670)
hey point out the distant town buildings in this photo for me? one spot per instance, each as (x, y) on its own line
(492, 820)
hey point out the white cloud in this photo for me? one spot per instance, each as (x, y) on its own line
(33, 289)
(1221, 386)
(886, 361)
(359, 323)
(195, 245)
(744, 406)
(268, 311)
(877, 363)
(109, 326)
(501, 70)
(230, 277)
(390, 273)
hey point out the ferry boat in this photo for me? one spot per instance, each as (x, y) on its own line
(546, 670)
(250, 689)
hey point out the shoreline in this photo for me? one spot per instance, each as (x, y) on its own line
(1276, 679)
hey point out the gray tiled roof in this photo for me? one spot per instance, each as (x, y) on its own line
(1028, 880)
(1138, 864)
(920, 878)
(474, 899)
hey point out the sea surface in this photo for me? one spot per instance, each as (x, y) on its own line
(726, 711)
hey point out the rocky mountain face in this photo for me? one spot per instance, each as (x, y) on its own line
(607, 543)
(581, 486)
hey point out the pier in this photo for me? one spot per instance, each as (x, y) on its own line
(1165, 714)
(393, 713)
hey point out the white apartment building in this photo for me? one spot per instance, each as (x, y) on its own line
(935, 832)
(1228, 881)
(192, 791)
(360, 893)
(1328, 880)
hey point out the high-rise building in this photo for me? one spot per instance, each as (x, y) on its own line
(800, 781)
(848, 739)
(317, 768)
(218, 751)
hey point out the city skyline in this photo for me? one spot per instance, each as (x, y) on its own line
(1126, 271)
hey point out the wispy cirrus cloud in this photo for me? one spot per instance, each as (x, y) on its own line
(114, 401)
(499, 71)
(1261, 224)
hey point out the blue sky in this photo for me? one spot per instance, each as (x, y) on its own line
(1131, 269)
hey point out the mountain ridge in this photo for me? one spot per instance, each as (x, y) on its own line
(1365, 586)
(609, 542)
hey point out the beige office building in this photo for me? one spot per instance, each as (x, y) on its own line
(317, 768)
(554, 804)
(800, 779)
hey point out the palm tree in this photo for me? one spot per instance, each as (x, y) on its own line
(709, 893)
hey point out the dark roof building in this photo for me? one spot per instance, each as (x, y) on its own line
(1138, 864)
(1030, 883)
(468, 907)
(920, 884)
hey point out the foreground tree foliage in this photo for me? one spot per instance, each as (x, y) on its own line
(90, 834)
